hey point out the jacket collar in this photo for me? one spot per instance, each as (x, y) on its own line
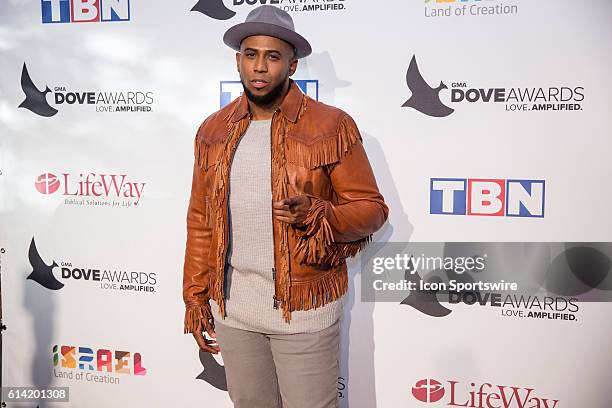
(290, 106)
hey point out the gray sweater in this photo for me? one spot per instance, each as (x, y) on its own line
(249, 284)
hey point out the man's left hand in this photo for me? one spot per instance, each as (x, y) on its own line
(292, 210)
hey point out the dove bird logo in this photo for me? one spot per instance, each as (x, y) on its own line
(425, 302)
(35, 100)
(214, 8)
(424, 99)
(213, 373)
(41, 272)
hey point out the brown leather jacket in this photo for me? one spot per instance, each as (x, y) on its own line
(319, 148)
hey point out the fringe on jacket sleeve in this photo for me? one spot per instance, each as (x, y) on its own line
(198, 318)
(316, 242)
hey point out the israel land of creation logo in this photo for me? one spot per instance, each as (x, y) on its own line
(97, 190)
(469, 8)
(441, 101)
(230, 90)
(84, 363)
(85, 277)
(37, 101)
(453, 393)
(226, 9)
(84, 11)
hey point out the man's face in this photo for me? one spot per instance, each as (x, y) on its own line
(265, 64)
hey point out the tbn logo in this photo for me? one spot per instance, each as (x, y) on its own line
(230, 90)
(492, 197)
(84, 11)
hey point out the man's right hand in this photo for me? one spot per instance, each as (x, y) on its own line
(208, 346)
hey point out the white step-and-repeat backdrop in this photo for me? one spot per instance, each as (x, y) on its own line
(484, 120)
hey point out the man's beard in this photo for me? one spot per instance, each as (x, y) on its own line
(266, 99)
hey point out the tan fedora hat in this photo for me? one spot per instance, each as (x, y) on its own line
(267, 20)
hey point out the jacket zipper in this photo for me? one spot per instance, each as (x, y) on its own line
(274, 298)
(275, 301)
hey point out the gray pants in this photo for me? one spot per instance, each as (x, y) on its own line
(281, 370)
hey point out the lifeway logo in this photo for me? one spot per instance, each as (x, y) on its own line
(219, 10)
(104, 102)
(105, 279)
(428, 100)
(92, 189)
(230, 90)
(485, 395)
(84, 11)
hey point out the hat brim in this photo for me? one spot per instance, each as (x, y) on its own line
(235, 34)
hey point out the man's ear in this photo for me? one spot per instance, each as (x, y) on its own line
(293, 67)
(238, 61)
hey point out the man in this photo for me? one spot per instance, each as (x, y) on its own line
(282, 193)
